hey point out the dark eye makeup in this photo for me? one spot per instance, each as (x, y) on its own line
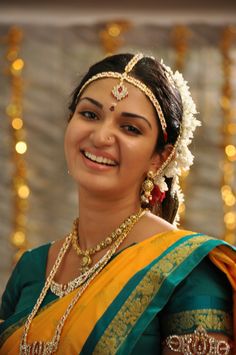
(88, 114)
(132, 129)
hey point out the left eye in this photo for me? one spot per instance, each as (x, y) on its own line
(132, 129)
(89, 115)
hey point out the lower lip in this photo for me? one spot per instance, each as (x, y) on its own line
(96, 166)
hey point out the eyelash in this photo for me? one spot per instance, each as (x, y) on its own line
(90, 115)
(132, 129)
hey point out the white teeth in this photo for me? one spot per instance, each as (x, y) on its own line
(99, 159)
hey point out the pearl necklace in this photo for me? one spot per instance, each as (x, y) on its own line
(40, 347)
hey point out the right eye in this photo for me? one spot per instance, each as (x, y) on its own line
(89, 115)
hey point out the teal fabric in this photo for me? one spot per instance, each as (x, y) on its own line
(24, 286)
(205, 287)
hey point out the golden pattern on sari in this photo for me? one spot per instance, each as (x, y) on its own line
(214, 320)
(139, 299)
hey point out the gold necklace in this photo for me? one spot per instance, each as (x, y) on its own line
(49, 347)
(88, 253)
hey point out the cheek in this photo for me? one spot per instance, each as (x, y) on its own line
(69, 140)
(138, 155)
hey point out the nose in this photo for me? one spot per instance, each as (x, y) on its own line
(103, 135)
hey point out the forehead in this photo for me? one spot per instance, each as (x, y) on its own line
(101, 90)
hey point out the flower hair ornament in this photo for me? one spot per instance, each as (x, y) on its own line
(180, 159)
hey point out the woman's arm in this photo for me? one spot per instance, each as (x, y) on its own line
(200, 307)
(12, 291)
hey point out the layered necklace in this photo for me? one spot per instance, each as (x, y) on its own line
(40, 347)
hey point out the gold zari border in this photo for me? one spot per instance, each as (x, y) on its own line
(140, 298)
(213, 320)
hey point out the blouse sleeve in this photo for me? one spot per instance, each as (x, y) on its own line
(203, 298)
(12, 291)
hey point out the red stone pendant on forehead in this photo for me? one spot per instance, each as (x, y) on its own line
(120, 91)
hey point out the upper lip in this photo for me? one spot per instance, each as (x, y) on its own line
(99, 153)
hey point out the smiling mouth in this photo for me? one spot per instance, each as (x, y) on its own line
(99, 159)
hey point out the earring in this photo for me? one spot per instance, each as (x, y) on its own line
(153, 189)
(147, 187)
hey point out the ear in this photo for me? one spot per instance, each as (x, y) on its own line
(159, 158)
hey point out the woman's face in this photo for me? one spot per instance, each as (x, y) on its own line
(109, 145)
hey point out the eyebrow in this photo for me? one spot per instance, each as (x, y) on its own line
(135, 115)
(95, 102)
(125, 114)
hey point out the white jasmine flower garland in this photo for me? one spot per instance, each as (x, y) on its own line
(180, 158)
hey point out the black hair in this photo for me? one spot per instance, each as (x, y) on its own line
(154, 76)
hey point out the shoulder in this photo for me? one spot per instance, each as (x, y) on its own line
(151, 225)
(40, 249)
(35, 253)
(33, 260)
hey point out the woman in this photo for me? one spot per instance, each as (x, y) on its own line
(119, 284)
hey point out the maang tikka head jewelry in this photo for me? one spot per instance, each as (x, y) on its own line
(120, 91)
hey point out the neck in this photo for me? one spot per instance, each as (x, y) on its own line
(99, 217)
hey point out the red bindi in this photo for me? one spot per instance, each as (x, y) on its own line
(112, 107)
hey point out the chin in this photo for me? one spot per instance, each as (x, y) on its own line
(95, 184)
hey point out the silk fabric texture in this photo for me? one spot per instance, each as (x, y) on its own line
(125, 297)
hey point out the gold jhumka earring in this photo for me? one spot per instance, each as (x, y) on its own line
(151, 192)
(147, 188)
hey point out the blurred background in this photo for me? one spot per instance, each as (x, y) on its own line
(45, 49)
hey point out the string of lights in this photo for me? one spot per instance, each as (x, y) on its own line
(111, 35)
(228, 137)
(14, 111)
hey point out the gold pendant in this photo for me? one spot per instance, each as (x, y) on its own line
(86, 261)
(120, 91)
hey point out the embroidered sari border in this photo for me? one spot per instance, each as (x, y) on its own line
(213, 320)
(111, 313)
(166, 290)
(130, 285)
(160, 279)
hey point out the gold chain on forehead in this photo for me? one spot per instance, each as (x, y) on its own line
(120, 91)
